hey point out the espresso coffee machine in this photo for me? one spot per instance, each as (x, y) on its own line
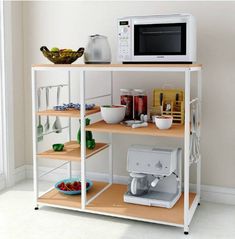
(155, 176)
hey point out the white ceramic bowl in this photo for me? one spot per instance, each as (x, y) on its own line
(163, 122)
(113, 114)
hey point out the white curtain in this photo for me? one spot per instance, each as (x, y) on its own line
(1, 85)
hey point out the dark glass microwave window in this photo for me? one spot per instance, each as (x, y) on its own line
(160, 39)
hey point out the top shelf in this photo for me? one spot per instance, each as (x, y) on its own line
(119, 67)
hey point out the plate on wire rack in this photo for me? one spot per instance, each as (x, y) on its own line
(72, 186)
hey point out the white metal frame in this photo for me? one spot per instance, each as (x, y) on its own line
(188, 211)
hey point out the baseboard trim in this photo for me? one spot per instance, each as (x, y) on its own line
(208, 193)
(2, 182)
(218, 194)
(20, 174)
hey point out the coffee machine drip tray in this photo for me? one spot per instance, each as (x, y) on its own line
(154, 198)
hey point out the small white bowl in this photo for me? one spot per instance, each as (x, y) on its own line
(113, 114)
(163, 122)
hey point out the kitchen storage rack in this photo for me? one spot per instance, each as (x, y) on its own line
(106, 198)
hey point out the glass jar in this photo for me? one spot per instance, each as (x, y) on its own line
(140, 103)
(138, 184)
(126, 98)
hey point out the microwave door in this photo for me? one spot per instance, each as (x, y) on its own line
(156, 40)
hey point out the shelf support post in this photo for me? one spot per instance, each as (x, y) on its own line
(111, 136)
(34, 129)
(186, 149)
(110, 158)
(199, 93)
(111, 86)
(69, 130)
(83, 138)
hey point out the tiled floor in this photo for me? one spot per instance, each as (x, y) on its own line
(18, 220)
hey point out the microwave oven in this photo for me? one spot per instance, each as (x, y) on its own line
(157, 39)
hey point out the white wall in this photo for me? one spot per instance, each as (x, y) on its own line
(68, 24)
(18, 78)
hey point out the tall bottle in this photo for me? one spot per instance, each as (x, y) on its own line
(140, 103)
(126, 98)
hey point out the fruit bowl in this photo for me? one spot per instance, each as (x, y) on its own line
(64, 56)
(70, 182)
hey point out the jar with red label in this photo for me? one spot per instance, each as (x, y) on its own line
(126, 98)
(140, 103)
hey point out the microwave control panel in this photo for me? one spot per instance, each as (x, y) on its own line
(124, 40)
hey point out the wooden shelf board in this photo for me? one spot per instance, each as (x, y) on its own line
(72, 152)
(68, 113)
(111, 202)
(74, 201)
(175, 131)
(118, 65)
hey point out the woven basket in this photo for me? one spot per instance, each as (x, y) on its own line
(62, 57)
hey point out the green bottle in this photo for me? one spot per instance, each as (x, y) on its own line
(90, 142)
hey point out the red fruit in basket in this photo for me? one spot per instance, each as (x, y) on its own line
(69, 186)
(61, 185)
(75, 184)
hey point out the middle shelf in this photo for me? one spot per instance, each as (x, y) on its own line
(176, 131)
(72, 152)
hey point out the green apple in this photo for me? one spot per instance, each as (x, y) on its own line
(55, 49)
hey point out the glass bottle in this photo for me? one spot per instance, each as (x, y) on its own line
(126, 98)
(140, 103)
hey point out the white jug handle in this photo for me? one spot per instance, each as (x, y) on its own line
(134, 186)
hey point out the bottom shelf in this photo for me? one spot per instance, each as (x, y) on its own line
(74, 201)
(110, 202)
